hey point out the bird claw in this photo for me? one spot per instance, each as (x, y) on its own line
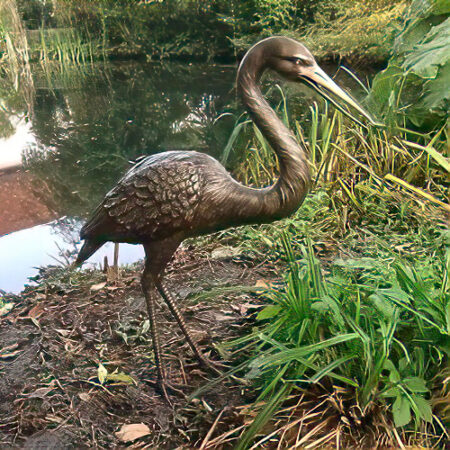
(214, 366)
(165, 388)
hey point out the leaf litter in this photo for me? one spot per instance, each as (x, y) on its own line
(77, 366)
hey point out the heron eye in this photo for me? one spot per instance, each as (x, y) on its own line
(296, 60)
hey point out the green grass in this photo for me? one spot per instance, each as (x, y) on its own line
(343, 154)
(373, 331)
(365, 333)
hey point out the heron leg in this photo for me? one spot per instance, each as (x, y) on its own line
(157, 255)
(167, 296)
(148, 286)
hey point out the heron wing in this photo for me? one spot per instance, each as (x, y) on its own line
(154, 199)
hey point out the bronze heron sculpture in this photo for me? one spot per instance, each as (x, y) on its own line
(170, 196)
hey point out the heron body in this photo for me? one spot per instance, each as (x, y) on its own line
(170, 196)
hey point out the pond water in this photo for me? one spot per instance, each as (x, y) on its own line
(64, 147)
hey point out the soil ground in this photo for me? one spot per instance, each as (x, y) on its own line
(52, 342)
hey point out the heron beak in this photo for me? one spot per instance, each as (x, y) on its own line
(323, 84)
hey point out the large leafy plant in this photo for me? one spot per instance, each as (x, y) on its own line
(415, 83)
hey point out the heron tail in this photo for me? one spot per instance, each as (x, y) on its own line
(88, 249)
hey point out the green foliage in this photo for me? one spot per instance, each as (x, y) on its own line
(415, 84)
(340, 151)
(204, 29)
(376, 326)
(354, 30)
(97, 121)
(384, 340)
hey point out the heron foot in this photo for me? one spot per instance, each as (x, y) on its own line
(214, 366)
(166, 389)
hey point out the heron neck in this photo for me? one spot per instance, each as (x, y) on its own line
(287, 194)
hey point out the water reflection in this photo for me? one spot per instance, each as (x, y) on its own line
(13, 145)
(123, 112)
(22, 252)
(85, 127)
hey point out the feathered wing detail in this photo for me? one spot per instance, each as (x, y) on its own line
(158, 201)
(155, 199)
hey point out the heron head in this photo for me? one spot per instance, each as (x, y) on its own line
(294, 62)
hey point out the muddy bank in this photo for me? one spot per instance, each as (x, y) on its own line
(58, 334)
(21, 205)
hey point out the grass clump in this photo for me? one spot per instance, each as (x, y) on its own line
(366, 347)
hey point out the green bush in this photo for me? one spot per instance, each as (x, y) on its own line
(414, 89)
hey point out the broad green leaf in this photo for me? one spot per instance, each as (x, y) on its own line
(441, 7)
(415, 84)
(383, 85)
(435, 98)
(424, 407)
(415, 384)
(357, 263)
(268, 312)
(382, 305)
(401, 410)
(432, 52)
(320, 307)
(394, 376)
(396, 294)
(391, 392)
(333, 306)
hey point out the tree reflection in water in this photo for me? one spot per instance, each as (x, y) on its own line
(87, 135)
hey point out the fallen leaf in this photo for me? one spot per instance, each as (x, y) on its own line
(112, 288)
(121, 378)
(53, 418)
(84, 396)
(97, 287)
(43, 391)
(219, 317)
(6, 308)
(123, 335)
(244, 307)
(225, 252)
(35, 312)
(102, 373)
(63, 333)
(36, 322)
(264, 285)
(145, 326)
(133, 431)
(8, 348)
(9, 355)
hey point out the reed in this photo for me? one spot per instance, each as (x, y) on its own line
(15, 62)
(343, 154)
